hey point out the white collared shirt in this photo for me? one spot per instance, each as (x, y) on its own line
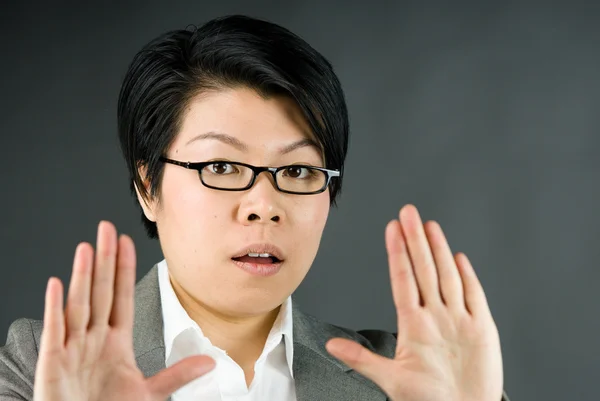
(273, 374)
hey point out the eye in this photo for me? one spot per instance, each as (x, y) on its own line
(297, 172)
(221, 168)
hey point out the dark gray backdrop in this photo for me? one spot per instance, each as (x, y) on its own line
(484, 116)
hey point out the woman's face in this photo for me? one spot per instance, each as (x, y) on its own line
(202, 229)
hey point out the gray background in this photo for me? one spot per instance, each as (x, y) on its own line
(485, 116)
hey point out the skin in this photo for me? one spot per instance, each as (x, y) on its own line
(448, 346)
(194, 220)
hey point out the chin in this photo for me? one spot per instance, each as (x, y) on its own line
(250, 302)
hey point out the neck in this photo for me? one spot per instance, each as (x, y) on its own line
(242, 337)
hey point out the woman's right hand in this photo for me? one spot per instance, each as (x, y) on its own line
(86, 351)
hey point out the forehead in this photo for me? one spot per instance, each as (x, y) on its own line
(242, 113)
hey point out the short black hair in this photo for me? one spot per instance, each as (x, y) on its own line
(227, 52)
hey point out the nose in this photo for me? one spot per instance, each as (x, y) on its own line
(261, 203)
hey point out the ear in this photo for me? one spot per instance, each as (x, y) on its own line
(148, 205)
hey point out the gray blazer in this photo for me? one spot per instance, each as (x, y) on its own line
(318, 375)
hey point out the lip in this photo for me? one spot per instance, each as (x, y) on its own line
(261, 248)
(259, 269)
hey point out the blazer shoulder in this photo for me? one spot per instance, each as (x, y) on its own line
(379, 341)
(18, 359)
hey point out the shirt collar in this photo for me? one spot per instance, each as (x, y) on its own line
(176, 320)
(283, 331)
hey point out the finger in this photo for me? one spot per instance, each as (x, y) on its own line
(169, 380)
(404, 285)
(123, 305)
(369, 364)
(78, 299)
(53, 333)
(475, 299)
(104, 274)
(449, 278)
(420, 254)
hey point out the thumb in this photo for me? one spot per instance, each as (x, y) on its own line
(371, 365)
(169, 380)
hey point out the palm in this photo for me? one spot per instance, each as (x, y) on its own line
(439, 359)
(448, 346)
(87, 351)
(102, 368)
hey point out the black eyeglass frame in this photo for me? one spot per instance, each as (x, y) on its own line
(256, 170)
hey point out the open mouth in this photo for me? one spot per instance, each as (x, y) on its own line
(264, 259)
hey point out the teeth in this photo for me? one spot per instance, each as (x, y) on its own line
(259, 255)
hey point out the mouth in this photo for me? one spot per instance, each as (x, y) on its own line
(260, 254)
(260, 259)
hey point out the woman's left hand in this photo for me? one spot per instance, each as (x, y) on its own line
(448, 346)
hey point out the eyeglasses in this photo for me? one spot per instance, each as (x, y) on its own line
(296, 179)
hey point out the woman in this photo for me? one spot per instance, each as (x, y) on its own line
(235, 136)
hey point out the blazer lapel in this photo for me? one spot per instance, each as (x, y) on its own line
(148, 340)
(317, 374)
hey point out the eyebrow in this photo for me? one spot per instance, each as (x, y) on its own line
(236, 143)
(228, 139)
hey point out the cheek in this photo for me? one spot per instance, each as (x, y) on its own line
(190, 217)
(310, 219)
(318, 215)
(318, 211)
